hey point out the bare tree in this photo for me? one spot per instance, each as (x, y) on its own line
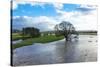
(65, 28)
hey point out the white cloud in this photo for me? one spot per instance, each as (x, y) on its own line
(88, 6)
(16, 2)
(14, 5)
(44, 20)
(32, 3)
(14, 17)
(63, 15)
(80, 20)
(58, 5)
(84, 22)
(43, 23)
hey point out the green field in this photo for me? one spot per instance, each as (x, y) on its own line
(30, 41)
(17, 36)
(87, 33)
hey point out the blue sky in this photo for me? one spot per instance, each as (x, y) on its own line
(46, 10)
(29, 10)
(49, 14)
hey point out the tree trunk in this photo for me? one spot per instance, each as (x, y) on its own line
(66, 38)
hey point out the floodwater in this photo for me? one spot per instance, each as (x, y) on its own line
(16, 41)
(83, 50)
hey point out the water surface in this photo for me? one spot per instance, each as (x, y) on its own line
(83, 50)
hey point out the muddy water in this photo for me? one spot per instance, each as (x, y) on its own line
(83, 50)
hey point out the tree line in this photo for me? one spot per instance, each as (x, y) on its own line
(65, 29)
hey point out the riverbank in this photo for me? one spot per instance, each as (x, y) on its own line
(42, 39)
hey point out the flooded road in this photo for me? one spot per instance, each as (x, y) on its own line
(83, 50)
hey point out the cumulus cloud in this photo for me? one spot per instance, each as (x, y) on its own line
(42, 22)
(89, 6)
(58, 5)
(45, 23)
(84, 22)
(86, 8)
(84, 18)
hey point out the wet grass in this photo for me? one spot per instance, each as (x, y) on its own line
(17, 36)
(42, 39)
